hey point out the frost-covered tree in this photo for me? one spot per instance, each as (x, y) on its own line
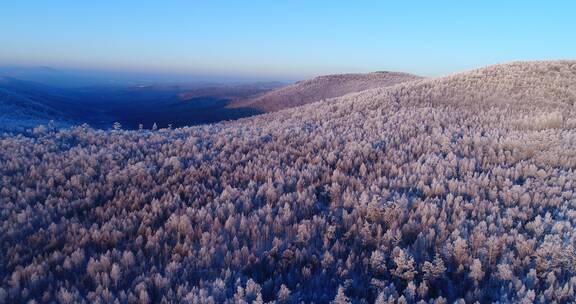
(116, 126)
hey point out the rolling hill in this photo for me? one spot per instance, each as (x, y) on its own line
(321, 88)
(458, 188)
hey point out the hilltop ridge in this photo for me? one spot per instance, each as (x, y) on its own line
(320, 88)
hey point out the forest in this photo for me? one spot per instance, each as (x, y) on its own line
(457, 189)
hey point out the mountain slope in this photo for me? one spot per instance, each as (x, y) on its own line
(320, 88)
(459, 188)
(25, 105)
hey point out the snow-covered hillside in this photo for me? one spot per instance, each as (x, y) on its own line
(460, 188)
(321, 88)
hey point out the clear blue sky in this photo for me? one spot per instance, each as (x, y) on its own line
(291, 39)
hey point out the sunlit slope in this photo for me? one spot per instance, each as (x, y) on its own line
(321, 88)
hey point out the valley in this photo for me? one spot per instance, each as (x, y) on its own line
(25, 104)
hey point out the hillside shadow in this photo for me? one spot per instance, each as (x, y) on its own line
(178, 113)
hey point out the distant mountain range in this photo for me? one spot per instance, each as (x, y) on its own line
(25, 104)
(76, 78)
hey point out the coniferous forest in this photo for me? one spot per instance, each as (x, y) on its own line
(456, 189)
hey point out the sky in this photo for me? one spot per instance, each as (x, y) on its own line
(292, 39)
